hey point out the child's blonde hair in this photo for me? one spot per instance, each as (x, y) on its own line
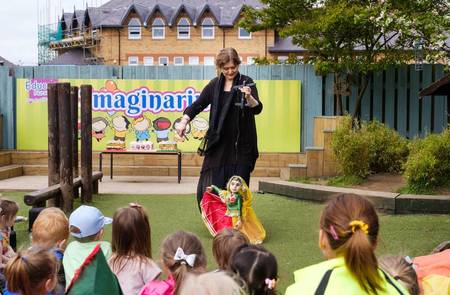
(224, 243)
(190, 244)
(8, 208)
(29, 270)
(211, 283)
(401, 269)
(131, 235)
(50, 227)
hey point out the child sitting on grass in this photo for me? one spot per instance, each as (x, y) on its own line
(8, 213)
(257, 267)
(132, 253)
(348, 237)
(86, 226)
(224, 243)
(32, 272)
(182, 253)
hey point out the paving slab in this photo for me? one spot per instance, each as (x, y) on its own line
(141, 185)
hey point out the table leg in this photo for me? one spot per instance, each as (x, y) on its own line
(179, 167)
(111, 166)
(100, 162)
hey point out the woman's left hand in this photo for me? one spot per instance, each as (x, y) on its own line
(247, 90)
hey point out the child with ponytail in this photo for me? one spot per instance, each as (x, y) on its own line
(348, 237)
(32, 272)
(182, 253)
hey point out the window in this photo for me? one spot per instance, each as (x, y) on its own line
(184, 29)
(158, 29)
(194, 60)
(163, 60)
(133, 61)
(250, 60)
(282, 59)
(178, 60)
(208, 60)
(148, 60)
(207, 28)
(134, 29)
(244, 34)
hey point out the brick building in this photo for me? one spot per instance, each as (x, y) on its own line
(170, 32)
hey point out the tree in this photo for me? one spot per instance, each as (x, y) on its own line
(353, 39)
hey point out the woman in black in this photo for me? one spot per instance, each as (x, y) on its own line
(230, 145)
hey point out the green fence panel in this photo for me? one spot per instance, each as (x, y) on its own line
(402, 97)
(389, 97)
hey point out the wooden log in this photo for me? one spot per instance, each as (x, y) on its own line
(74, 117)
(53, 140)
(86, 143)
(65, 145)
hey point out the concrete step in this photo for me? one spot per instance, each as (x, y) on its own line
(293, 171)
(151, 170)
(10, 171)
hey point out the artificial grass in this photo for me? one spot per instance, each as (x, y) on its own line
(291, 225)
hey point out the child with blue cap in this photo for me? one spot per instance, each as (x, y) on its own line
(86, 226)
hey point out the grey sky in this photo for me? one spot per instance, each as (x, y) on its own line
(19, 23)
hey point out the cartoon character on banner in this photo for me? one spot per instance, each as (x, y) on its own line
(99, 125)
(176, 137)
(161, 126)
(120, 126)
(199, 127)
(141, 128)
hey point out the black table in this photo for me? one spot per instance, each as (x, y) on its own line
(125, 152)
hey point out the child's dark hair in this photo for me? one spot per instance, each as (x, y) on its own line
(224, 243)
(402, 270)
(257, 267)
(131, 235)
(8, 208)
(189, 243)
(351, 225)
(30, 269)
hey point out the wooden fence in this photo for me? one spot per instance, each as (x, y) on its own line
(391, 97)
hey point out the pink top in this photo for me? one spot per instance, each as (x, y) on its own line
(165, 287)
(135, 273)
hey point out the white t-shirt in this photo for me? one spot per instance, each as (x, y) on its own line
(134, 273)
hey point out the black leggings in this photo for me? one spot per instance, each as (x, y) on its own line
(219, 177)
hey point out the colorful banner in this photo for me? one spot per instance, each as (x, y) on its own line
(147, 111)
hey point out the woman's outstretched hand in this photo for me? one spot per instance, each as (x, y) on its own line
(180, 128)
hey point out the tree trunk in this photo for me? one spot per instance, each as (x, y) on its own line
(337, 96)
(86, 143)
(53, 141)
(362, 90)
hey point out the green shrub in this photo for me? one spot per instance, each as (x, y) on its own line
(388, 150)
(428, 164)
(351, 150)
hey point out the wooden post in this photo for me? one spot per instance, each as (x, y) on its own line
(86, 143)
(53, 141)
(65, 144)
(74, 117)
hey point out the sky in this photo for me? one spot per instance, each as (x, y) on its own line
(19, 21)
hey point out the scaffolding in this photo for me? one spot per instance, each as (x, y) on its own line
(53, 40)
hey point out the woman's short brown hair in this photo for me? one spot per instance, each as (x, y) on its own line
(225, 56)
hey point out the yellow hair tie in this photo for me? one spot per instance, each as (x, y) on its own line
(355, 224)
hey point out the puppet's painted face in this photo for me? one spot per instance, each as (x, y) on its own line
(235, 185)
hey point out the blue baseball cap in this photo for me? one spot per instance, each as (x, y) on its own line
(89, 220)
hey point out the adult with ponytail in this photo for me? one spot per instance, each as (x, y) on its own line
(32, 272)
(347, 238)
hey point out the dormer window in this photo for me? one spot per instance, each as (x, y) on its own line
(134, 29)
(158, 29)
(244, 34)
(207, 28)
(184, 29)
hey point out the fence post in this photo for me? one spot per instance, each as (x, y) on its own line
(86, 143)
(65, 143)
(53, 141)
(74, 117)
